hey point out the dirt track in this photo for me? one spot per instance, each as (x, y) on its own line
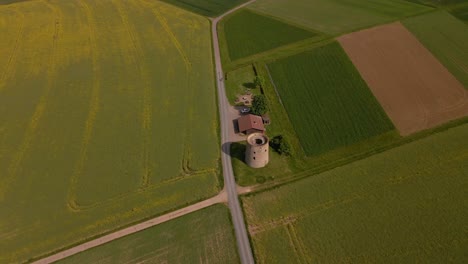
(220, 198)
(415, 90)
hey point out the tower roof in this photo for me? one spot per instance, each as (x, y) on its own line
(250, 121)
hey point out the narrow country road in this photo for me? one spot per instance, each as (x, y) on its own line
(243, 243)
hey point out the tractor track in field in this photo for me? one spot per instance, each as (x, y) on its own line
(184, 175)
(228, 195)
(162, 20)
(30, 134)
(14, 54)
(137, 56)
(92, 112)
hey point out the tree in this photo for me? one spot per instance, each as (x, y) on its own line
(280, 145)
(259, 105)
(259, 81)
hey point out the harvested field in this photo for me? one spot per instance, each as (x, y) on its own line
(328, 103)
(405, 205)
(103, 119)
(446, 37)
(206, 236)
(415, 89)
(248, 33)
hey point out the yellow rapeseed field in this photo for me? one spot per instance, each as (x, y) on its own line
(103, 119)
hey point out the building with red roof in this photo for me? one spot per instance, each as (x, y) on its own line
(250, 124)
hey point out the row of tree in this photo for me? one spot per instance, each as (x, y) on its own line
(259, 102)
(260, 107)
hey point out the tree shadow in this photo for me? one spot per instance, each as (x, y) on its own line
(249, 85)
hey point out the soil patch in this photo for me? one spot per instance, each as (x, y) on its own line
(414, 88)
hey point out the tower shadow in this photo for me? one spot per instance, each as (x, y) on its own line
(235, 149)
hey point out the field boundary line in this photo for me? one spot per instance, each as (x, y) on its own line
(274, 86)
(219, 198)
(13, 56)
(38, 111)
(172, 36)
(281, 52)
(92, 112)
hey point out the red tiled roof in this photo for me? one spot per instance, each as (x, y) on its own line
(250, 121)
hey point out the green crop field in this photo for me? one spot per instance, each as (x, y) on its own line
(107, 116)
(248, 33)
(327, 101)
(405, 205)
(461, 12)
(437, 2)
(204, 236)
(7, 2)
(210, 8)
(337, 16)
(446, 37)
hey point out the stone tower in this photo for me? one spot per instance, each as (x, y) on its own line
(256, 153)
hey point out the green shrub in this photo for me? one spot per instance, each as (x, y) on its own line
(259, 105)
(281, 145)
(259, 81)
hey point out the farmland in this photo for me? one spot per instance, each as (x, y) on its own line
(204, 236)
(446, 38)
(95, 131)
(442, 3)
(461, 12)
(210, 8)
(415, 89)
(403, 205)
(334, 16)
(327, 102)
(248, 33)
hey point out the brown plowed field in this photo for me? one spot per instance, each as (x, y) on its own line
(414, 88)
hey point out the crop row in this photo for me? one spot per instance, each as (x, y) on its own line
(327, 101)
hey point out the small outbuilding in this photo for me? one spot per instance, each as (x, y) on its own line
(266, 119)
(249, 124)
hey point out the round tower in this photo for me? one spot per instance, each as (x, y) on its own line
(256, 153)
